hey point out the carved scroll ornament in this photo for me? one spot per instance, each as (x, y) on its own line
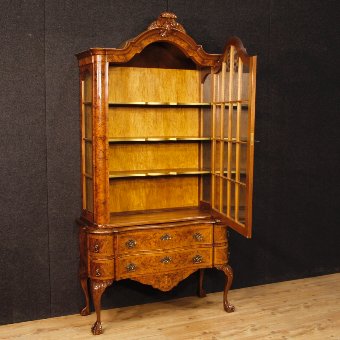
(166, 22)
(166, 281)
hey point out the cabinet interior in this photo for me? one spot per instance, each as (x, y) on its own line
(155, 109)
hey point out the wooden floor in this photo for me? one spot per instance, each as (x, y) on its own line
(301, 309)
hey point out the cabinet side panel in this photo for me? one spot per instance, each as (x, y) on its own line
(160, 193)
(100, 145)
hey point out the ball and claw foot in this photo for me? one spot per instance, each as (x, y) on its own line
(97, 328)
(85, 311)
(228, 307)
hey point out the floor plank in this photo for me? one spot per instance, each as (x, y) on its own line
(301, 309)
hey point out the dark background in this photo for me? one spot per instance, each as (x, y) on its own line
(297, 162)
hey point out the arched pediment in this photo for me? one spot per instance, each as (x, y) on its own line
(165, 29)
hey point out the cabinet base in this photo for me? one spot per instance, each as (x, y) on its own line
(160, 256)
(98, 287)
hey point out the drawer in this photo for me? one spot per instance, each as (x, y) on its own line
(165, 238)
(101, 245)
(221, 255)
(131, 266)
(220, 234)
(101, 269)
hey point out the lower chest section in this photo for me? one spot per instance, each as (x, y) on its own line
(147, 253)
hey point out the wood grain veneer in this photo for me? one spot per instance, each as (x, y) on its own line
(196, 235)
(154, 217)
(138, 84)
(145, 193)
(129, 157)
(164, 262)
(151, 121)
(102, 269)
(100, 245)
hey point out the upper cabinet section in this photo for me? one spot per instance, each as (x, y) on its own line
(166, 125)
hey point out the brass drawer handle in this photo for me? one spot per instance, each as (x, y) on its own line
(166, 260)
(98, 272)
(131, 267)
(198, 237)
(197, 259)
(96, 248)
(130, 244)
(166, 237)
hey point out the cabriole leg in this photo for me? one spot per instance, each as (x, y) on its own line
(201, 292)
(228, 307)
(86, 309)
(83, 277)
(97, 290)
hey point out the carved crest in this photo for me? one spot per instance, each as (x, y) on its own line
(166, 22)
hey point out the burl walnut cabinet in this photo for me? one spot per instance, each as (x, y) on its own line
(167, 145)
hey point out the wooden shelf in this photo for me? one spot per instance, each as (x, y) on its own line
(224, 175)
(159, 216)
(233, 140)
(244, 104)
(157, 172)
(160, 104)
(158, 139)
(233, 102)
(170, 172)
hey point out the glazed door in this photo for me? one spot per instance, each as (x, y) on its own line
(233, 113)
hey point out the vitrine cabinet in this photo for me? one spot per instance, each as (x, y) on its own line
(167, 144)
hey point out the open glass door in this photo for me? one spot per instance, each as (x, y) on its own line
(233, 118)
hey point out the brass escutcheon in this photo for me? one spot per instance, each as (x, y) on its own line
(166, 237)
(131, 244)
(131, 267)
(166, 260)
(198, 237)
(98, 272)
(197, 259)
(96, 248)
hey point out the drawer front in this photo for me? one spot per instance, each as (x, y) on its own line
(221, 255)
(220, 234)
(100, 245)
(130, 266)
(164, 238)
(101, 269)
